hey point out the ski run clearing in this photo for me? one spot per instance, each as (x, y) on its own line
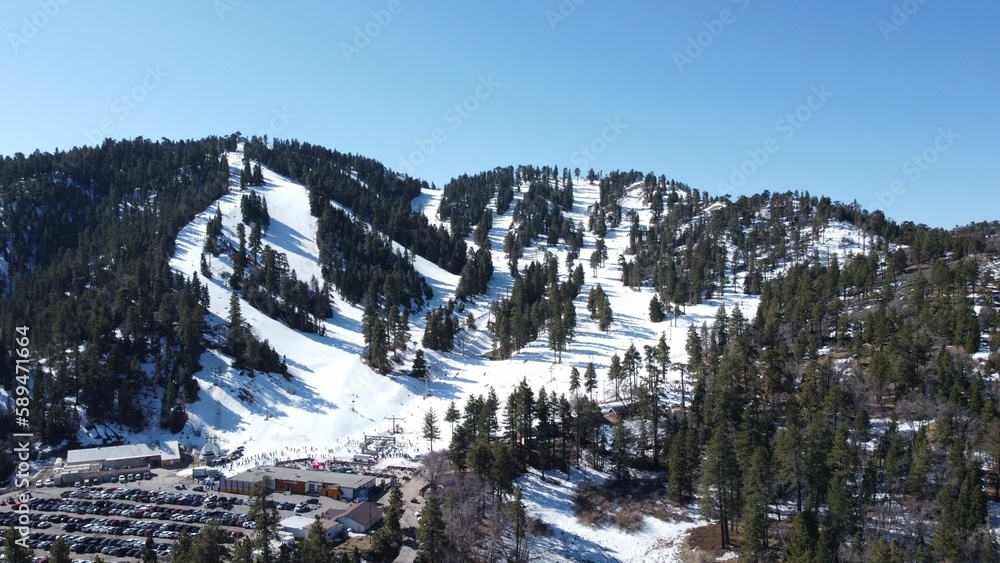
(334, 400)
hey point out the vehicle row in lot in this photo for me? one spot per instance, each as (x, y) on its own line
(138, 511)
(112, 512)
(117, 547)
(116, 478)
(157, 497)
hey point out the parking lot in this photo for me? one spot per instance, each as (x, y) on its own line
(115, 519)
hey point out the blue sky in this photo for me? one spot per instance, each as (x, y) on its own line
(890, 103)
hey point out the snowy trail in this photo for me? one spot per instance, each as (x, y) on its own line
(334, 399)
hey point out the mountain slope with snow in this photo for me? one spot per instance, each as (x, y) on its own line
(333, 400)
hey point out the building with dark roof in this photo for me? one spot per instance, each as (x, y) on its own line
(359, 518)
(339, 486)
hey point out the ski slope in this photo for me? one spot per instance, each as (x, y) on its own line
(333, 400)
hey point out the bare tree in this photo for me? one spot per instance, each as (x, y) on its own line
(433, 465)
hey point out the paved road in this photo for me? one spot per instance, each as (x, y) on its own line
(408, 523)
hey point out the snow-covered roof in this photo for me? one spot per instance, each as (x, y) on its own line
(347, 480)
(211, 449)
(171, 451)
(108, 453)
(296, 523)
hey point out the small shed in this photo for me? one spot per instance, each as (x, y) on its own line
(359, 518)
(298, 527)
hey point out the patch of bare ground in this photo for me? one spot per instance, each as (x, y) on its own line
(703, 544)
(625, 507)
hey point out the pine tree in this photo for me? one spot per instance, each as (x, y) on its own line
(235, 312)
(590, 379)
(394, 510)
(246, 175)
(257, 178)
(574, 380)
(719, 476)
(754, 513)
(384, 545)
(615, 374)
(452, 415)
(15, 547)
(432, 533)
(620, 456)
(520, 524)
(419, 369)
(255, 241)
(243, 551)
(920, 465)
(840, 509)
(315, 548)
(557, 337)
(656, 310)
(883, 551)
(240, 255)
(263, 513)
(803, 539)
(59, 552)
(681, 467)
(203, 267)
(209, 544)
(149, 551)
(430, 430)
(377, 353)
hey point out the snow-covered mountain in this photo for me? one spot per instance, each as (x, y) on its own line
(334, 400)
